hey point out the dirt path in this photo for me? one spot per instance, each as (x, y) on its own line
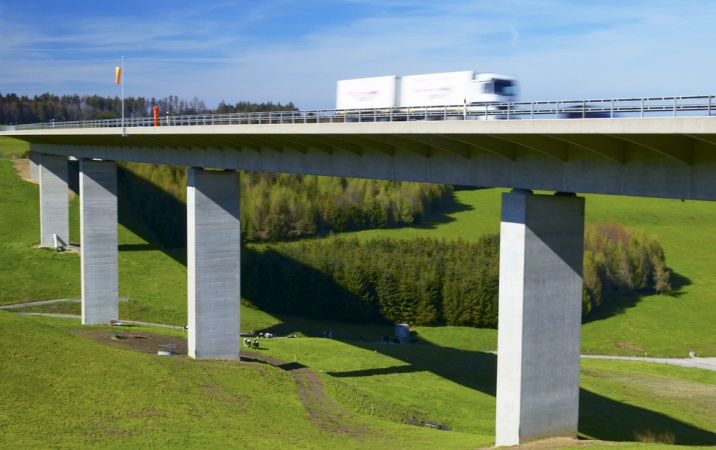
(324, 412)
(22, 167)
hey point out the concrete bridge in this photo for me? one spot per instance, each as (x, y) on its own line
(541, 235)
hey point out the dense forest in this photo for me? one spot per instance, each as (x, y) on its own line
(431, 282)
(47, 107)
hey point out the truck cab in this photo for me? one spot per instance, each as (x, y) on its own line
(492, 88)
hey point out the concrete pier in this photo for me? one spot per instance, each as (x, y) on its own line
(34, 161)
(98, 230)
(54, 212)
(541, 250)
(213, 264)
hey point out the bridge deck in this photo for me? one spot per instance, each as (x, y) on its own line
(650, 157)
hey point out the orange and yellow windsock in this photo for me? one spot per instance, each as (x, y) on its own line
(118, 75)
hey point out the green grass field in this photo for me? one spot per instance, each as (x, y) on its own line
(62, 390)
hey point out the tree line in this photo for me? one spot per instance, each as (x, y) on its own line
(47, 107)
(280, 207)
(431, 282)
(619, 259)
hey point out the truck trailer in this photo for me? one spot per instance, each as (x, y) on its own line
(427, 90)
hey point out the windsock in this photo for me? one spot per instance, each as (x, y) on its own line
(118, 75)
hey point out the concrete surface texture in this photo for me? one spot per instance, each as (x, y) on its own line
(649, 157)
(54, 205)
(541, 247)
(213, 264)
(34, 159)
(98, 235)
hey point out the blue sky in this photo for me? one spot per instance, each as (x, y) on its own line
(295, 51)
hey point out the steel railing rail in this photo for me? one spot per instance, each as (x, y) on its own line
(693, 105)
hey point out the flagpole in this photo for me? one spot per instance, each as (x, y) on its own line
(123, 130)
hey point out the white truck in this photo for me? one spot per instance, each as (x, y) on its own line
(465, 88)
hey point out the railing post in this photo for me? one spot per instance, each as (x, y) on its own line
(709, 107)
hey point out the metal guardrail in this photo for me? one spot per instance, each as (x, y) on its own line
(697, 105)
(696, 363)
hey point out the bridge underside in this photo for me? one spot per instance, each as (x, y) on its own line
(664, 157)
(541, 236)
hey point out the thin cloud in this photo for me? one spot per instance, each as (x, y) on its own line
(280, 50)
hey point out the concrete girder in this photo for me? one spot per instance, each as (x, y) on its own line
(605, 156)
(410, 144)
(340, 142)
(444, 143)
(312, 142)
(546, 145)
(240, 145)
(289, 143)
(609, 147)
(677, 148)
(259, 143)
(489, 144)
(708, 139)
(373, 142)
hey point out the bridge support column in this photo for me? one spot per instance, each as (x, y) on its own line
(541, 250)
(34, 161)
(213, 264)
(54, 212)
(98, 230)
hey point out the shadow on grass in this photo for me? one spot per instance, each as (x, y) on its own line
(443, 216)
(152, 214)
(278, 284)
(474, 370)
(610, 420)
(620, 303)
(599, 417)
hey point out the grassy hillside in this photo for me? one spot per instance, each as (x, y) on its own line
(111, 396)
(10, 147)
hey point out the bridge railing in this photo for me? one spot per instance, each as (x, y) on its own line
(697, 105)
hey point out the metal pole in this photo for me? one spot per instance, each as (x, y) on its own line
(123, 74)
